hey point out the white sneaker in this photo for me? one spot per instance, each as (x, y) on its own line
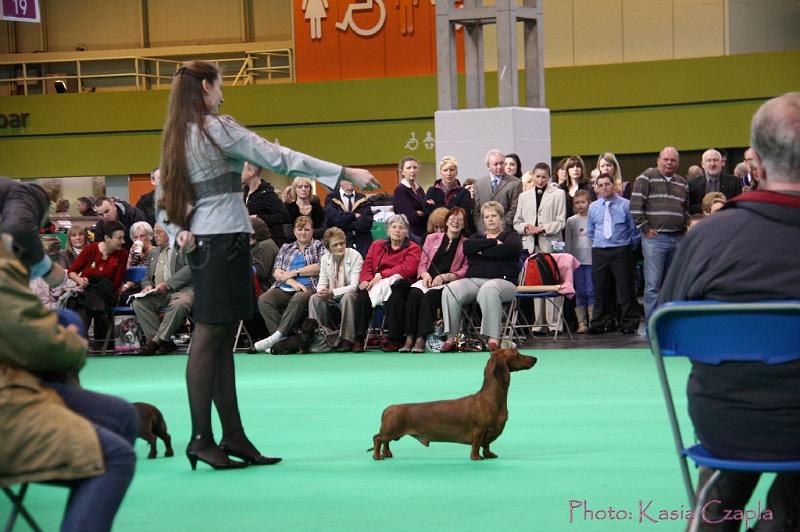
(265, 345)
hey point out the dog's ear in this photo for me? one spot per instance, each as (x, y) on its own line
(501, 371)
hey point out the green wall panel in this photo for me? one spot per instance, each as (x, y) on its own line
(627, 108)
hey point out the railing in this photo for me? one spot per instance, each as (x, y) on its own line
(47, 76)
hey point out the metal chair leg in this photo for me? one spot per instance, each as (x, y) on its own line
(18, 509)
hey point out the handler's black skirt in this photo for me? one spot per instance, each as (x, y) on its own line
(222, 278)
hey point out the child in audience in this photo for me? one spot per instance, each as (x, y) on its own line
(579, 246)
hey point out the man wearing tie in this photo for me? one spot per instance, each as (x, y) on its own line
(713, 181)
(168, 283)
(499, 187)
(351, 212)
(614, 236)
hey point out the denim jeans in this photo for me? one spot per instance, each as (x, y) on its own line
(584, 286)
(94, 501)
(658, 252)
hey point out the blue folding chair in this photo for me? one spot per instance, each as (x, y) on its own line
(712, 333)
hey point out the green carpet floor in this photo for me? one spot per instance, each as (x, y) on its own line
(587, 428)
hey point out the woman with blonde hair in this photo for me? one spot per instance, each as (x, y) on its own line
(305, 203)
(199, 199)
(607, 164)
(447, 191)
(77, 239)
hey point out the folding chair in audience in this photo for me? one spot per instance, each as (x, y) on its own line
(515, 320)
(17, 508)
(712, 333)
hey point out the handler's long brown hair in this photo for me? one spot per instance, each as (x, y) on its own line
(186, 106)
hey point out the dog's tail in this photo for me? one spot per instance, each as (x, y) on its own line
(371, 449)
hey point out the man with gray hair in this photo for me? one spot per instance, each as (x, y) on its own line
(496, 186)
(749, 410)
(713, 181)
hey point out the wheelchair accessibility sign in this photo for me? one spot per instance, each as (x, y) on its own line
(367, 5)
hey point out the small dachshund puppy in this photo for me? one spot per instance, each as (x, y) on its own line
(152, 424)
(476, 420)
(300, 342)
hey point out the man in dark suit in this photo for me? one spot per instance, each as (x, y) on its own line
(168, 283)
(713, 181)
(496, 186)
(352, 213)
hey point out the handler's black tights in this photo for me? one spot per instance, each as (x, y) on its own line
(210, 375)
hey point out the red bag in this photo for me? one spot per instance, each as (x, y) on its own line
(541, 269)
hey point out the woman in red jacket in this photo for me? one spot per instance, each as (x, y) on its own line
(387, 261)
(99, 271)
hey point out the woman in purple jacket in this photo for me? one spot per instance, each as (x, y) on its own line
(409, 197)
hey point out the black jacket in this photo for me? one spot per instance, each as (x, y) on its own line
(748, 251)
(147, 205)
(729, 185)
(22, 208)
(458, 197)
(127, 215)
(490, 260)
(266, 204)
(358, 230)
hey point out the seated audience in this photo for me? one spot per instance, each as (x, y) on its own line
(53, 430)
(110, 209)
(305, 203)
(98, 271)
(491, 278)
(749, 410)
(86, 206)
(436, 223)
(262, 201)
(388, 261)
(350, 211)
(263, 251)
(168, 283)
(77, 238)
(339, 275)
(296, 272)
(442, 261)
(712, 202)
(409, 197)
(447, 191)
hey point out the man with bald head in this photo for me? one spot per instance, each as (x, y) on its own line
(496, 186)
(713, 181)
(660, 207)
(749, 410)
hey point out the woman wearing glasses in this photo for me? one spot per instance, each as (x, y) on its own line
(442, 261)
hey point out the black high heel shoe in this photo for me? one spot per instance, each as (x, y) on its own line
(250, 459)
(250, 456)
(206, 454)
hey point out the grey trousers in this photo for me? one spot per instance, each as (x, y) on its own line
(178, 306)
(283, 311)
(318, 309)
(490, 295)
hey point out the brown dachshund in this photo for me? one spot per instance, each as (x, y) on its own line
(152, 424)
(476, 419)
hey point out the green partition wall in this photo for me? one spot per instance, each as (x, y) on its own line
(626, 108)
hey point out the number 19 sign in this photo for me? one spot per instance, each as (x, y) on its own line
(20, 10)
